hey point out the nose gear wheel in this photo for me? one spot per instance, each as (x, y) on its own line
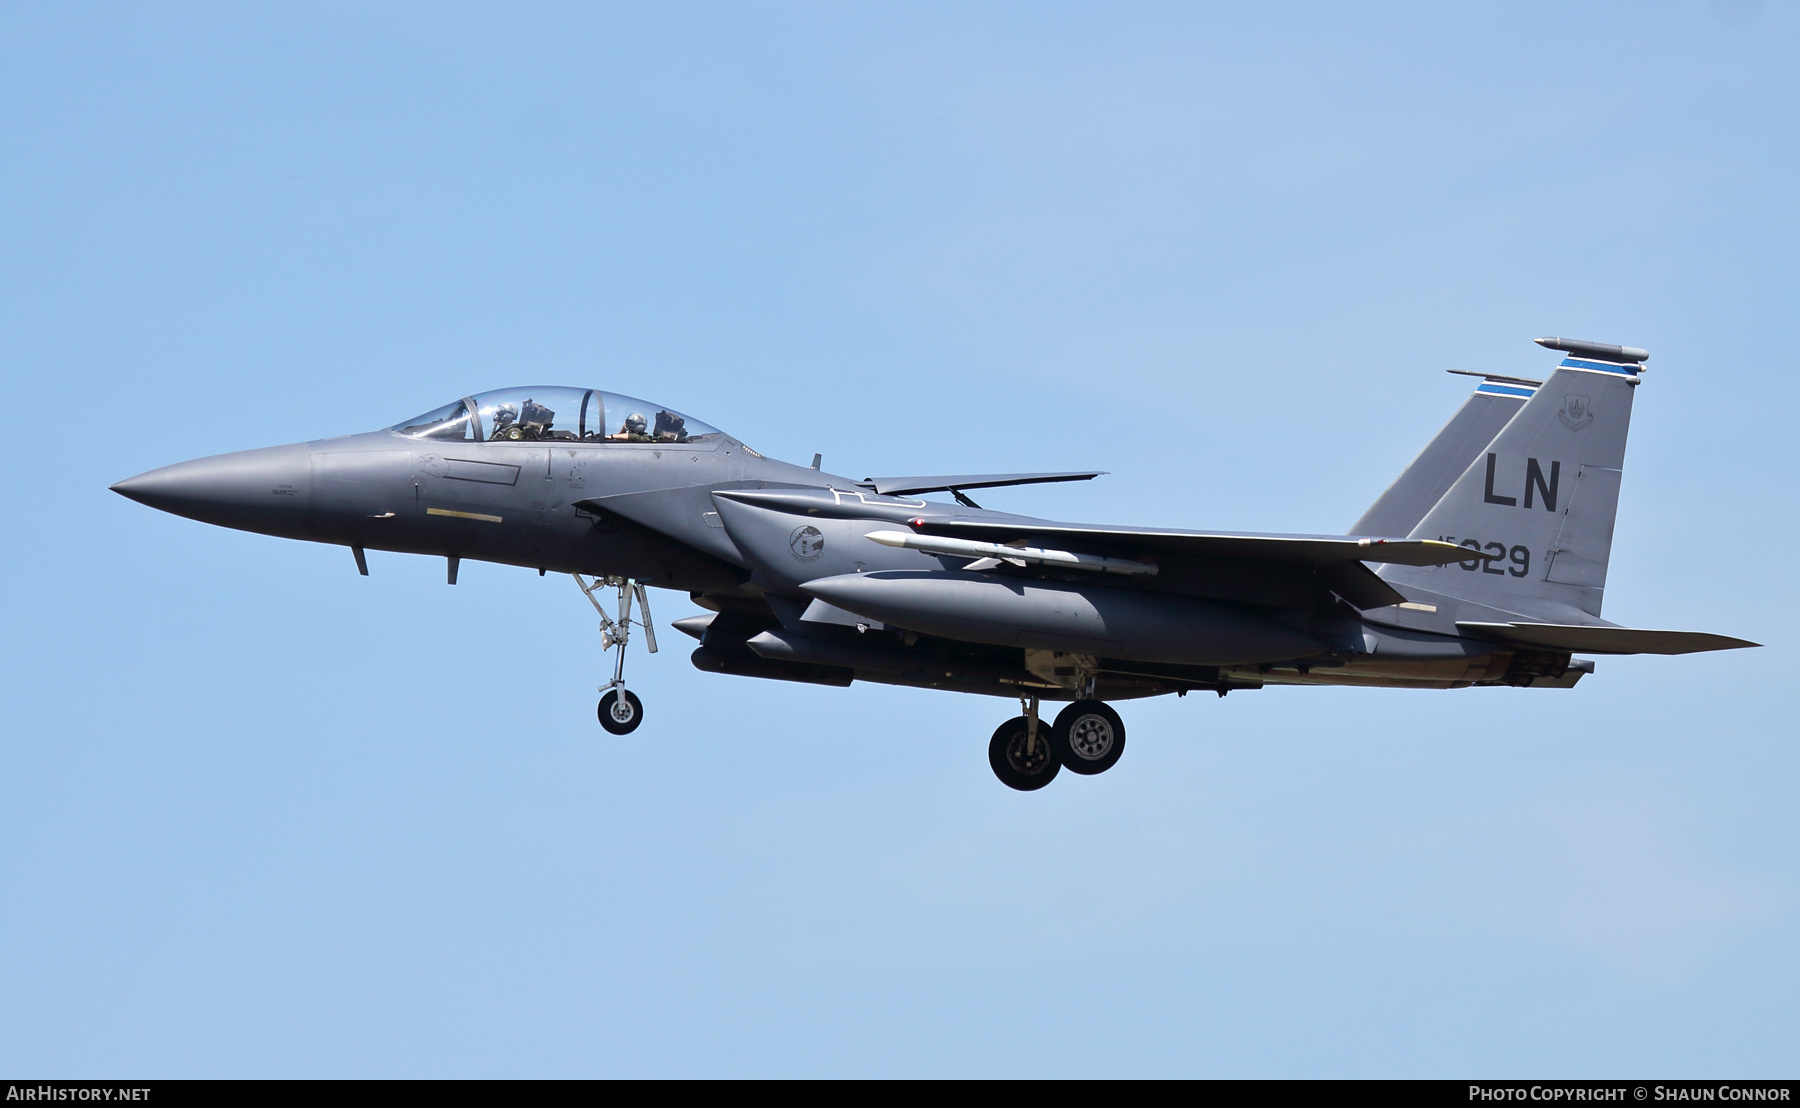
(621, 711)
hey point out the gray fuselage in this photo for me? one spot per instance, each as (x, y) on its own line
(745, 535)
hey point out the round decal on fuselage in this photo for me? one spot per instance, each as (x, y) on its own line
(807, 543)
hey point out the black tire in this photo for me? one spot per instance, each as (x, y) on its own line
(1088, 737)
(1012, 765)
(621, 711)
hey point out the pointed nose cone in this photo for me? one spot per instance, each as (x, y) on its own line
(253, 490)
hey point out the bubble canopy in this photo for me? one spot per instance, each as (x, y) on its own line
(555, 413)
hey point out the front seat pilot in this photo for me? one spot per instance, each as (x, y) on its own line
(637, 429)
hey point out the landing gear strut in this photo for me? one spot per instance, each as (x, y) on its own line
(620, 710)
(1021, 753)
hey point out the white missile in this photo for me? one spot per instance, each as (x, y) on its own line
(1016, 555)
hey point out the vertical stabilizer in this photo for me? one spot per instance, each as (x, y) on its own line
(1542, 495)
(1495, 401)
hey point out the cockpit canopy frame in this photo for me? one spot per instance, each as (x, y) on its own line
(556, 413)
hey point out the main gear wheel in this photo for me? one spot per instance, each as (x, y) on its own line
(1088, 737)
(1020, 760)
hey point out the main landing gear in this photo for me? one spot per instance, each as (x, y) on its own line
(1087, 738)
(620, 710)
(1020, 752)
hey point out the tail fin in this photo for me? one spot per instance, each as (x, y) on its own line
(1424, 482)
(1542, 495)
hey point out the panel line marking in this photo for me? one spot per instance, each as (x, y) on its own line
(461, 515)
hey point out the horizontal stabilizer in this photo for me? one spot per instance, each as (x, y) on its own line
(1306, 550)
(1583, 639)
(907, 486)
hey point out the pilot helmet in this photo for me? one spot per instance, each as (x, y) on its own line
(637, 424)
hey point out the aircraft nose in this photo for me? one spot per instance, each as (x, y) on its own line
(252, 490)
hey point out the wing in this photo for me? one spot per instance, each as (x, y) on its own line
(952, 482)
(1302, 550)
(1277, 570)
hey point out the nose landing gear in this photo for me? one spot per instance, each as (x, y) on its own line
(620, 710)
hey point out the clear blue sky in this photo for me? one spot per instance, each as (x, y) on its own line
(261, 816)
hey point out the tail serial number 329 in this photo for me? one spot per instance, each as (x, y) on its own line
(1519, 557)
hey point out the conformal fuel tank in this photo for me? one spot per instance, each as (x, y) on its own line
(1049, 615)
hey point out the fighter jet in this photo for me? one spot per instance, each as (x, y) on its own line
(1483, 565)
